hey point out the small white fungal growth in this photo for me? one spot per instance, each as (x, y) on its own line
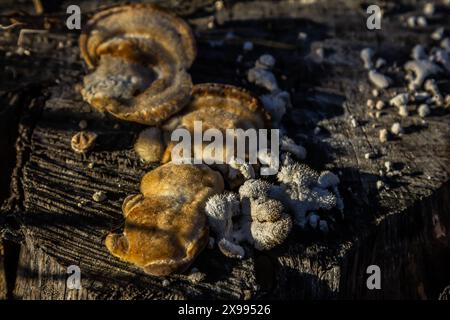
(265, 209)
(276, 103)
(380, 80)
(99, 196)
(445, 44)
(423, 110)
(403, 111)
(267, 235)
(418, 53)
(243, 167)
(115, 79)
(255, 188)
(422, 69)
(261, 75)
(416, 21)
(380, 184)
(431, 86)
(296, 173)
(380, 63)
(379, 105)
(263, 78)
(388, 166)
(443, 57)
(305, 192)
(230, 249)
(422, 21)
(429, 9)
(266, 61)
(269, 224)
(366, 55)
(399, 100)
(369, 155)
(438, 34)
(383, 135)
(220, 209)
(288, 145)
(149, 145)
(327, 179)
(396, 128)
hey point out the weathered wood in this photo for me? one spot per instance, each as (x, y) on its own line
(3, 287)
(404, 230)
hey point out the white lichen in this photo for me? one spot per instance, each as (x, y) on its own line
(276, 103)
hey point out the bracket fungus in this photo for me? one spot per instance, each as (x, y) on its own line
(165, 225)
(139, 55)
(219, 107)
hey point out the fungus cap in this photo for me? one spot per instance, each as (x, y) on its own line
(139, 22)
(139, 55)
(221, 107)
(165, 225)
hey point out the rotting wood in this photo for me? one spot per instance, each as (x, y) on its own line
(402, 229)
(3, 287)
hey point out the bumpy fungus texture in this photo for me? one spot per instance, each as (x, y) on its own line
(139, 54)
(307, 190)
(220, 107)
(165, 225)
(253, 216)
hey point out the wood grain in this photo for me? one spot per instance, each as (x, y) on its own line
(404, 230)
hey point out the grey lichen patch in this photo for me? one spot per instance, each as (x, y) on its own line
(115, 78)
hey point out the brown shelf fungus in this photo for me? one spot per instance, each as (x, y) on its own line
(221, 107)
(139, 55)
(165, 225)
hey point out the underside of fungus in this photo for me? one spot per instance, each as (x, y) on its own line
(165, 225)
(139, 55)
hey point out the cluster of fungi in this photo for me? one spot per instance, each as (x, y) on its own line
(139, 56)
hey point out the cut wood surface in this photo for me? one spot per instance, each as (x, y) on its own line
(404, 229)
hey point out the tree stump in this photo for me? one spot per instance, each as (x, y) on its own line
(404, 229)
